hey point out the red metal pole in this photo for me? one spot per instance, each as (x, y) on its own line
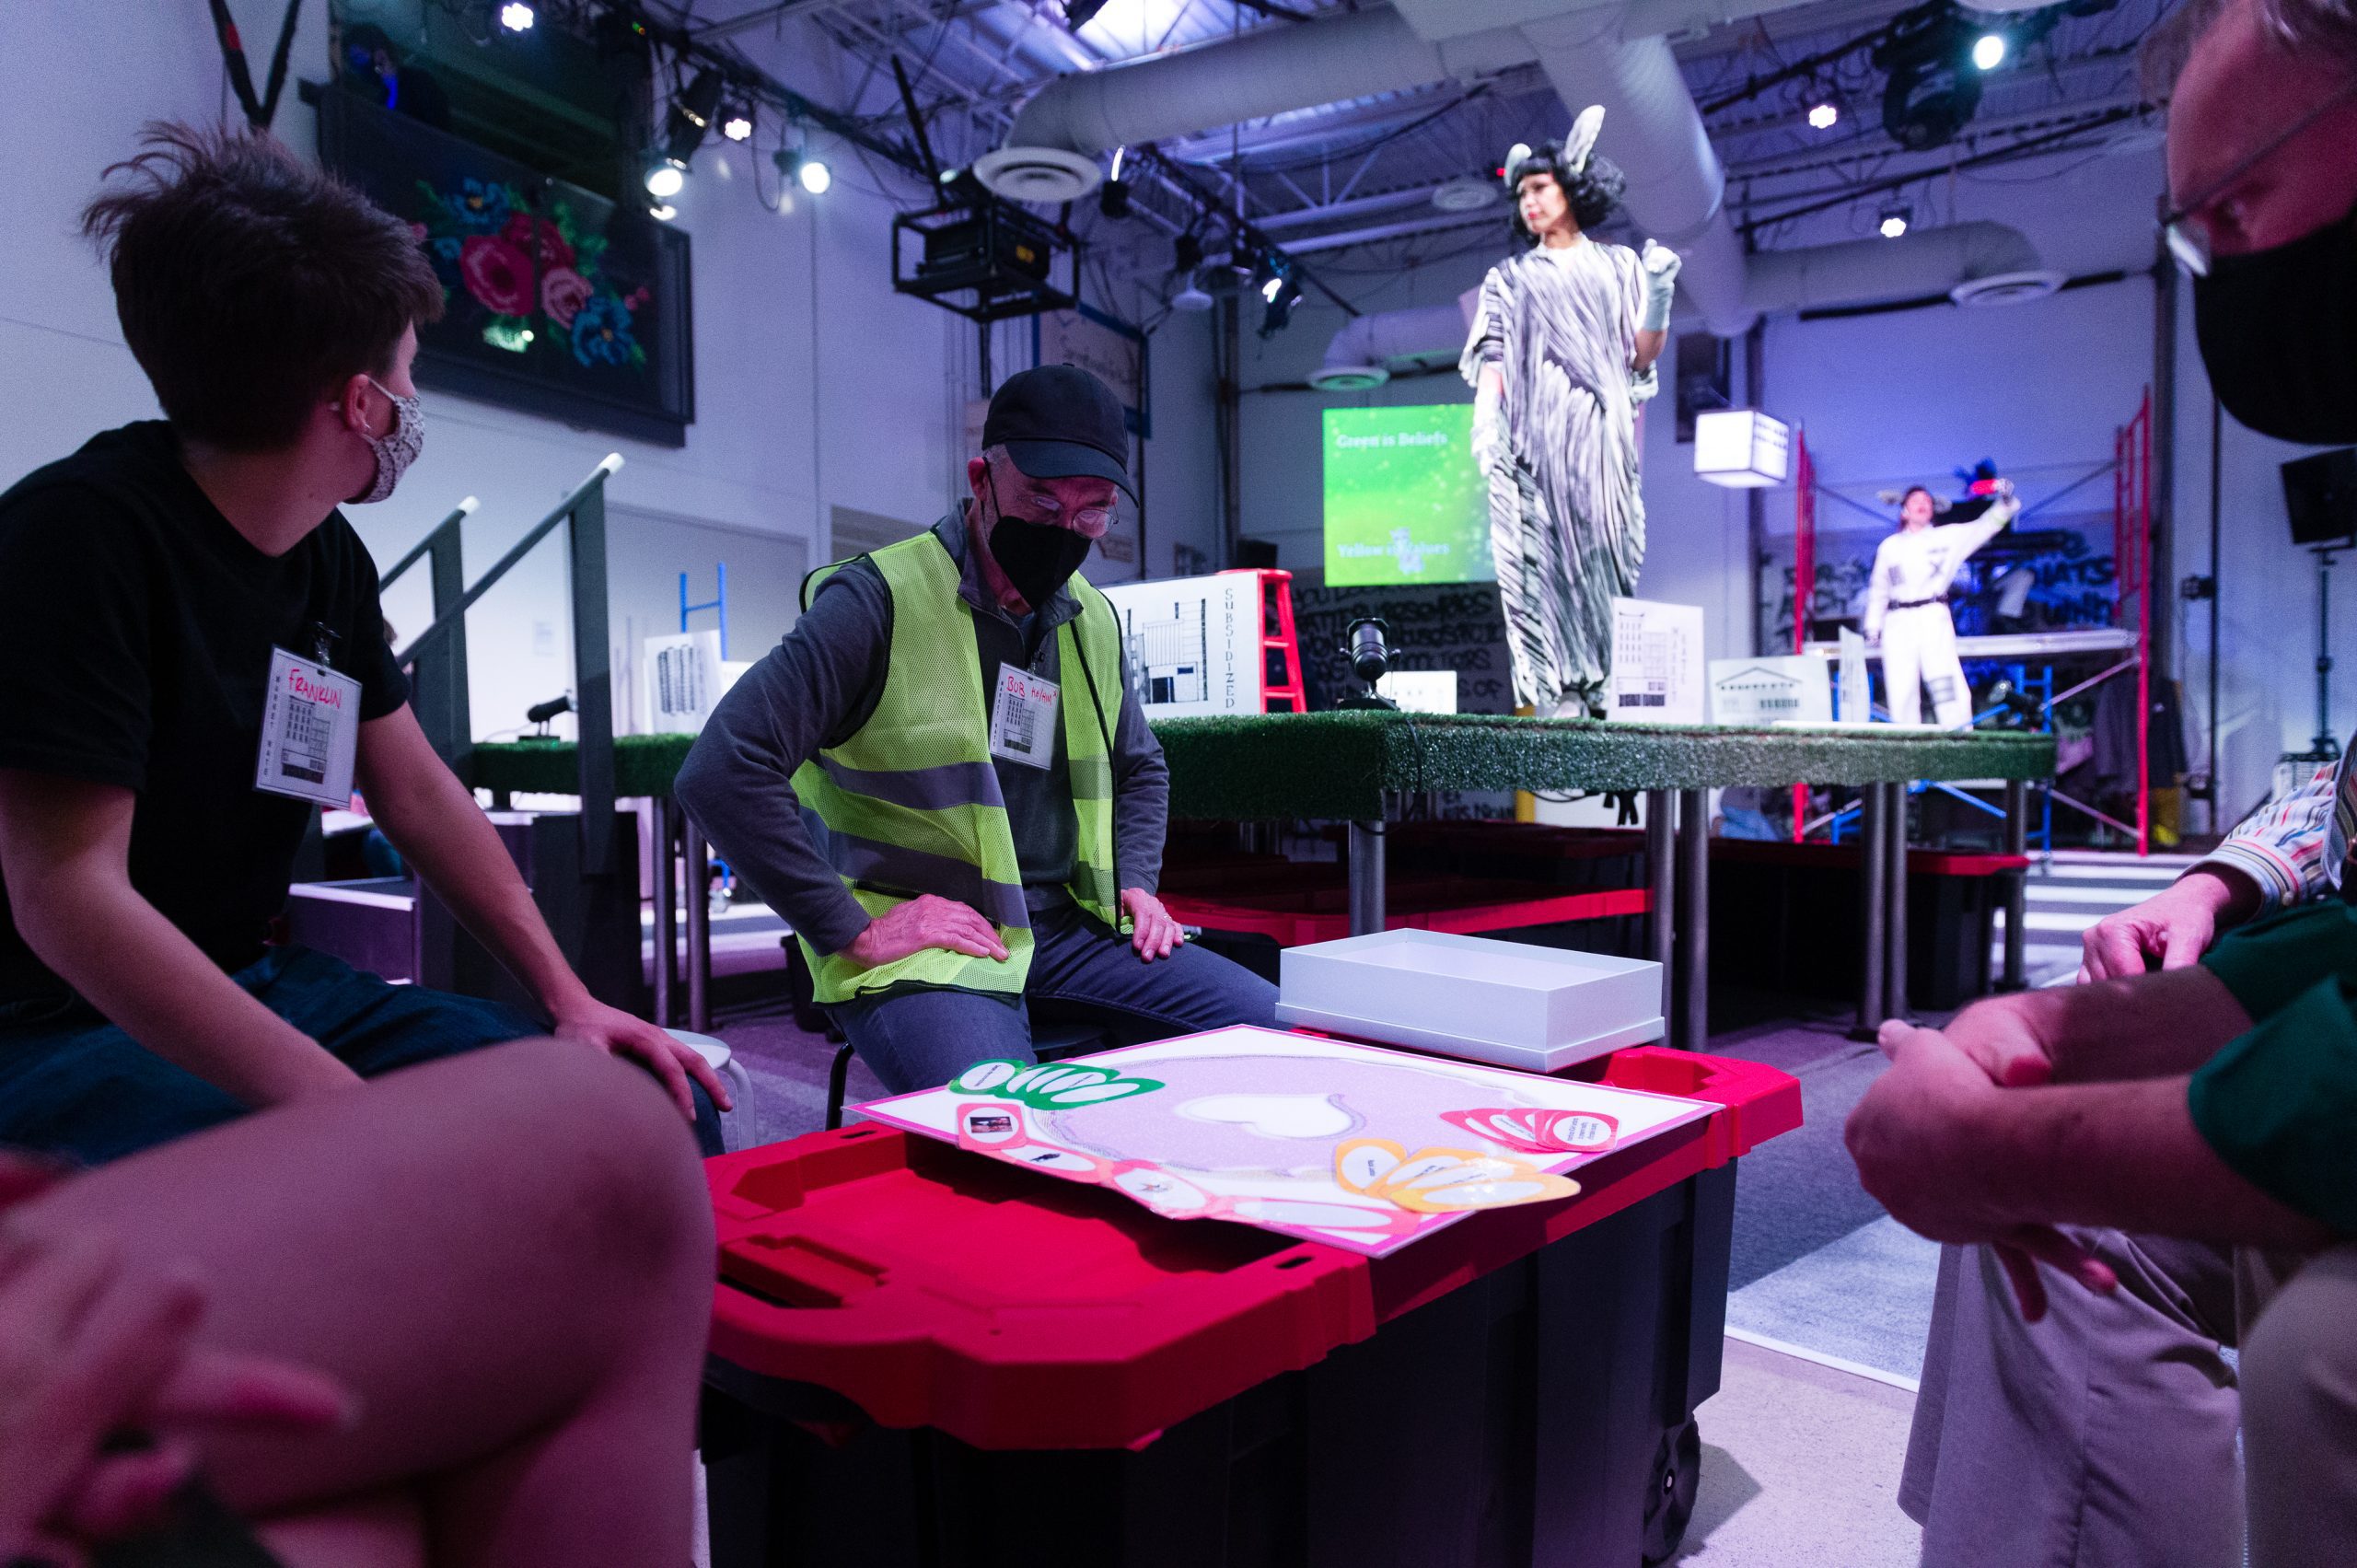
(1803, 588)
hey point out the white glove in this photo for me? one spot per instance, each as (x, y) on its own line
(1489, 421)
(1661, 265)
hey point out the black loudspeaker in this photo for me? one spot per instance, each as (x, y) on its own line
(2320, 496)
(1257, 554)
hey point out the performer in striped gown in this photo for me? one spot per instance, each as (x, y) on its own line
(1561, 355)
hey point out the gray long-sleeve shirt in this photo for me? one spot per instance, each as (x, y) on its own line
(821, 683)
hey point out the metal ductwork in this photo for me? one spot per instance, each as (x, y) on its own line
(1973, 264)
(1368, 349)
(1274, 70)
(1651, 128)
(1654, 132)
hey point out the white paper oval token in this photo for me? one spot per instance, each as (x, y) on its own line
(1362, 1166)
(1088, 1094)
(984, 1076)
(1484, 1195)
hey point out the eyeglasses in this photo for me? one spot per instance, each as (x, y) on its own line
(1093, 521)
(2189, 234)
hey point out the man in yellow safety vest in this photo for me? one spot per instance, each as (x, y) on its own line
(955, 712)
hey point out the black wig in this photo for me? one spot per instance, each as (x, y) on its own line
(1594, 192)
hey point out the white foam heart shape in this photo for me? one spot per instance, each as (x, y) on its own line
(1273, 1116)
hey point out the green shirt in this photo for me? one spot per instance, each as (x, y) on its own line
(2279, 1104)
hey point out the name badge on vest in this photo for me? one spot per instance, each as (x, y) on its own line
(1023, 718)
(310, 731)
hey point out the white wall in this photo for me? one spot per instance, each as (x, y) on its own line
(815, 384)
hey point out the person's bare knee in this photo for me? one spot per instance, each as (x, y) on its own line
(640, 1197)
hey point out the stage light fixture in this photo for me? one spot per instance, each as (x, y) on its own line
(1894, 222)
(1823, 116)
(738, 124)
(1186, 252)
(515, 16)
(1282, 294)
(1113, 198)
(805, 168)
(664, 178)
(691, 115)
(1989, 51)
(1192, 297)
(663, 212)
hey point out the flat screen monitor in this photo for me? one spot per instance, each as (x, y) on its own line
(1405, 503)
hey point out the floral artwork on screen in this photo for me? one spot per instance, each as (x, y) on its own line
(556, 299)
(523, 272)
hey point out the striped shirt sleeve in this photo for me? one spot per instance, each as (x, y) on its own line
(2282, 846)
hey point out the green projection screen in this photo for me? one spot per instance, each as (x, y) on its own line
(1404, 502)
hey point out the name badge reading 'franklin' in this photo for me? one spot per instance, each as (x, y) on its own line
(1023, 717)
(310, 731)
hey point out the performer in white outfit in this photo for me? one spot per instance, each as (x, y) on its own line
(1906, 605)
(1561, 357)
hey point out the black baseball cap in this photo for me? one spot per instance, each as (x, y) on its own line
(1059, 421)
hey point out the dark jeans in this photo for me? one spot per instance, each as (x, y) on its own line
(74, 1086)
(1080, 971)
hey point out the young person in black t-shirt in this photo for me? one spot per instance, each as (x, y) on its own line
(192, 653)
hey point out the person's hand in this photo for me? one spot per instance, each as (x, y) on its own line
(1660, 264)
(1153, 932)
(1489, 420)
(2008, 1038)
(588, 1021)
(91, 1347)
(926, 920)
(2176, 926)
(1922, 1136)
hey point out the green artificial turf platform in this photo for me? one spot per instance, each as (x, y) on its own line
(1338, 766)
(1335, 766)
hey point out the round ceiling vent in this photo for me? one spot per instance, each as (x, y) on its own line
(1046, 175)
(1347, 378)
(1466, 193)
(2007, 288)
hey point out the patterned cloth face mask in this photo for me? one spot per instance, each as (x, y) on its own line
(395, 449)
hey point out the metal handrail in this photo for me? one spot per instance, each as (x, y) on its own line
(442, 646)
(459, 514)
(564, 510)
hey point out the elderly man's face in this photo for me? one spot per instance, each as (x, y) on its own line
(2240, 91)
(1083, 504)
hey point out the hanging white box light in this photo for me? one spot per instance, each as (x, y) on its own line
(1742, 448)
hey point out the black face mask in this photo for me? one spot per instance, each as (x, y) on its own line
(2278, 330)
(1037, 558)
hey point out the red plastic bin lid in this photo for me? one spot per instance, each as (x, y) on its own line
(936, 1289)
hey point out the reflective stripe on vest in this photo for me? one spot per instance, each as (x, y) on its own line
(912, 801)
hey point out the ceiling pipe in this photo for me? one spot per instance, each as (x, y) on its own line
(1652, 130)
(1267, 72)
(1977, 262)
(1961, 261)
(1677, 191)
(1367, 351)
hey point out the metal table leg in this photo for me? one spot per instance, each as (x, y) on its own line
(1894, 963)
(1661, 878)
(1693, 1030)
(1874, 885)
(1366, 878)
(698, 894)
(667, 908)
(2015, 976)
